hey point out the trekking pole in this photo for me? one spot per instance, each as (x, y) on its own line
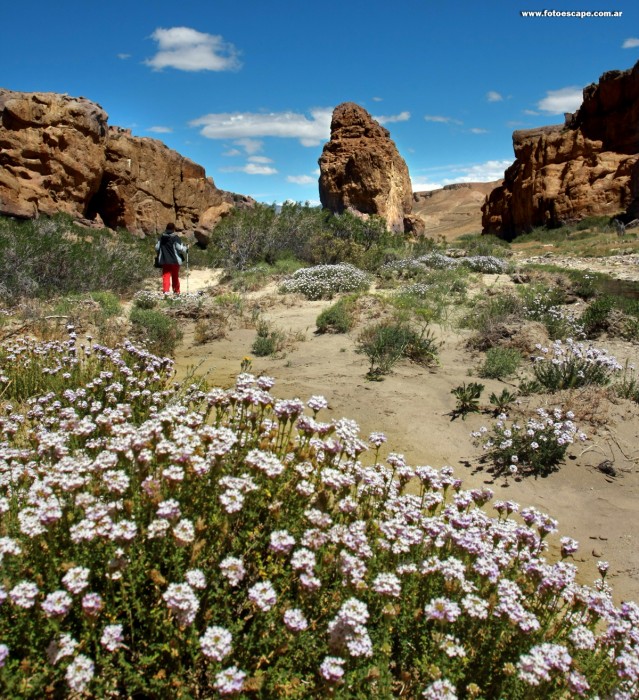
(187, 270)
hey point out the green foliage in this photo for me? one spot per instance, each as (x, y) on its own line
(502, 401)
(386, 342)
(51, 257)
(338, 318)
(485, 314)
(467, 396)
(482, 244)
(596, 318)
(262, 234)
(628, 386)
(160, 332)
(599, 223)
(269, 341)
(614, 315)
(528, 387)
(500, 363)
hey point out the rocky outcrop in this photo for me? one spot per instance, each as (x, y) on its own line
(52, 153)
(361, 170)
(588, 166)
(58, 154)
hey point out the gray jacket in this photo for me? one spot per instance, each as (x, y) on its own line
(170, 248)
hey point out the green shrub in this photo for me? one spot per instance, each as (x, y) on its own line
(262, 234)
(386, 342)
(52, 257)
(467, 396)
(109, 303)
(500, 363)
(595, 319)
(269, 341)
(628, 386)
(502, 401)
(160, 332)
(338, 318)
(485, 314)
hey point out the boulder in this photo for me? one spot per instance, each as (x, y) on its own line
(588, 166)
(58, 154)
(362, 170)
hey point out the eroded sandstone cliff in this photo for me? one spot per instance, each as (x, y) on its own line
(58, 154)
(588, 166)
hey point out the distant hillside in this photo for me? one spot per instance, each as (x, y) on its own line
(453, 210)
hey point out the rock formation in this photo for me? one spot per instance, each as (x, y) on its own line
(588, 166)
(361, 170)
(58, 154)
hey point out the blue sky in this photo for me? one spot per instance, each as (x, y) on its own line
(247, 89)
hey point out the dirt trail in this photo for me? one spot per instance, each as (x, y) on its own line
(412, 406)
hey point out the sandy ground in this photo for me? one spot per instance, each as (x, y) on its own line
(412, 407)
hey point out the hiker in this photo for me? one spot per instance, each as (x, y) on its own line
(620, 227)
(171, 254)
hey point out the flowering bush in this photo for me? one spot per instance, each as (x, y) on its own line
(439, 261)
(568, 365)
(536, 447)
(488, 264)
(226, 543)
(408, 268)
(324, 281)
(544, 305)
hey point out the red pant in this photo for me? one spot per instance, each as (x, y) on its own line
(171, 273)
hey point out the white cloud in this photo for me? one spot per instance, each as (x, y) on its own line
(420, 185)
(301, 179)
(489, 171)
(240, 125)
(480, 172)
(531, 112)
(160, 129)
(477, 130)
(441, 120)
(378, 99)
(123, 56)
(232, 153)
(401, 117)
(250, 145)
(251, 169)
(630, 43)
(260, 159)
(566, 99)
(493, 96)
(187, 49)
